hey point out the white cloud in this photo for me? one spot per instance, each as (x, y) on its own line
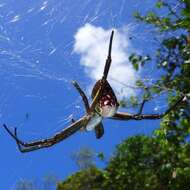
(92, 43)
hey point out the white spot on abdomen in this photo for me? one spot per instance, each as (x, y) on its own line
(108, 111)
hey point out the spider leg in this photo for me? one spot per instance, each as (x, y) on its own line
(127, 116)
(82, 129)
(24, 149)
(82, 94)
(20, 144)
(99, 130)
(44, 143)
(29, 149)
(108, 60)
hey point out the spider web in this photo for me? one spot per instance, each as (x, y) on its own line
(41, 52)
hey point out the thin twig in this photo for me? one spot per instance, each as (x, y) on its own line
(142, 106)
(171, 10)
(174, 105)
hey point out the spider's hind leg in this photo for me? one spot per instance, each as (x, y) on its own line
(99, 130)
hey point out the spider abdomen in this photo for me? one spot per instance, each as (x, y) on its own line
(107, 105)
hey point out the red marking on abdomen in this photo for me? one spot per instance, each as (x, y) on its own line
(108, 100)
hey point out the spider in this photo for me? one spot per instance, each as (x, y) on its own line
(104, 105)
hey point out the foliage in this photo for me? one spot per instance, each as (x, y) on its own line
(139, 163)
(138, 60)
(90, 178)
(173, 58)
(143, 163)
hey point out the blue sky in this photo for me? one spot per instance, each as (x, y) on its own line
(44, 45)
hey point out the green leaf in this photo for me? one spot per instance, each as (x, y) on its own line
(136, 66)
(101, 156)
(147, 95)
(140, 83)
(134, 100)
(159, 4)
(186, 12)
